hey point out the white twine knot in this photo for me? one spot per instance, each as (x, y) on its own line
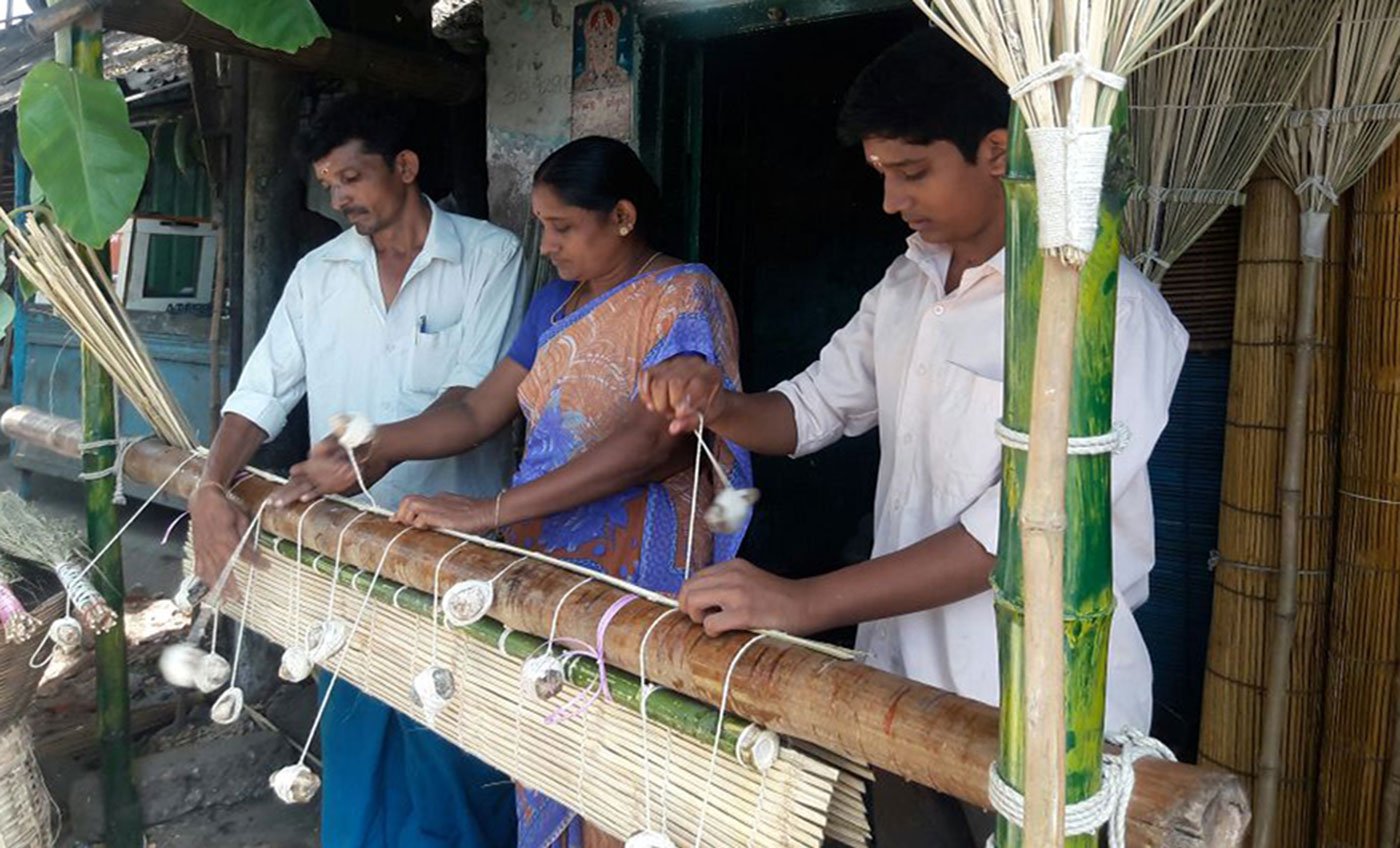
(466, 602)
(294, 784)
(296, 664)
(1069, 160)
(212, 672)
(432, 689)
(1108, 806)
(66, 633)
(187, 595)
(1114, 441)
(325, 639)
(649, 839)
(179, 664)
(542, 675)
(228, 708)
(122, 445)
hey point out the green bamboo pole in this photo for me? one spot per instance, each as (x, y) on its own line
(1088, 568)
(122, 808)
(667, 708)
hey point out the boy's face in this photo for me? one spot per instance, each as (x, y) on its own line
(939, 194)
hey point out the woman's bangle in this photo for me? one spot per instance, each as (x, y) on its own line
(220, 486)
(499, 495)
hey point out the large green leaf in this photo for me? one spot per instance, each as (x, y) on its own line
(76, 136)
(286, 25)
(7, 313)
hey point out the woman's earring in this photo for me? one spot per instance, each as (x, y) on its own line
(624, 230)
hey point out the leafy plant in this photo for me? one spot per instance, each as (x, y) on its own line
(75, 133)
(286, 25)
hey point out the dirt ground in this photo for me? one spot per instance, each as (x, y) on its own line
(200, 784)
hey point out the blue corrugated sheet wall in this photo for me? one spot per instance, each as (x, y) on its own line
(1185, 470)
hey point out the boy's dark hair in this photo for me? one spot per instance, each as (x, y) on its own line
(925, 88)
(595, 173)
(382, 126)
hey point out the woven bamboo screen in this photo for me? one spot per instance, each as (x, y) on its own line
(1246, 570)
(1366, 591)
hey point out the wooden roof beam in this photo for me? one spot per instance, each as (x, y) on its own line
(343, 55)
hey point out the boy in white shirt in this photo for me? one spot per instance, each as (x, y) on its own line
(922, 360)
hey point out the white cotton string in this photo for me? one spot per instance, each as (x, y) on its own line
(1108, 806)
(359, 476)
(1112, 442)
(216, 594)
(543, 663)
(563, 564)
(340, 661)
(694, 497)
(646, 690)
(467, 601)
(1069, 160)
(116, 468)
(705, 800)
(339, 550)
(296, 576)
(437, 574)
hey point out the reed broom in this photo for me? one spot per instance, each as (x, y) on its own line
(1247, 568)
(1065, 61)
(1203, 115)
(1348, 113)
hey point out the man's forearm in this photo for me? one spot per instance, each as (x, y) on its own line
(234, 445)
(763, 423)
(945, 568)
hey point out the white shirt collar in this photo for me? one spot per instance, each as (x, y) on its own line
(934, 259)
(441, 242)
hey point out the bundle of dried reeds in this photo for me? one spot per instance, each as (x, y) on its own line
(16, 623)
(73, 279)
(1204, 113)
(1358, 794)
(1348, 113)
(690, 772)
(28, 534)
(1246, 571)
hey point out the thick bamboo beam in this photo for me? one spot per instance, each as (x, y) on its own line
(342, 55)
(918, 732)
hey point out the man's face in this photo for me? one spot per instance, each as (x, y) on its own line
(366, 189)
(939, 194)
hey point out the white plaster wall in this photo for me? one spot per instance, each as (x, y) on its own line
(528, 81)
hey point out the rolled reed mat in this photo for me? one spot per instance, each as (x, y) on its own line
(26, 810)
(593, 763)
(1365, 607)
(1246, 570)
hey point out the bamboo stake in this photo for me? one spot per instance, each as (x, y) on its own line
(121, 807)
(920, 733)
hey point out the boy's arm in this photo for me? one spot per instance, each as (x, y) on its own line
(947, 567)
(834, 397)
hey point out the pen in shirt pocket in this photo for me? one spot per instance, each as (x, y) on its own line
(422, 323)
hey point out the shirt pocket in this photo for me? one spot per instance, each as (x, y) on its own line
(434, 359)
(971, 447)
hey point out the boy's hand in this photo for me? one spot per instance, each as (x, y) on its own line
(682, 389)
(738, 595)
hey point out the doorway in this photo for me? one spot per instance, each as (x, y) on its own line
(740, 128)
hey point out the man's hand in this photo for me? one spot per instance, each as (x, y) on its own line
(326, 471)
(738, 595)
(218, 525)
(448, 512)
(683, 389)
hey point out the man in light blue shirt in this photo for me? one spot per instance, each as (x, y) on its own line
(407, 308)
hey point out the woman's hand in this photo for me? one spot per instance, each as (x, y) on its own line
(448, 512)
(738, 595)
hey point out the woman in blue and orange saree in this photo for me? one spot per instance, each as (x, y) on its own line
(602, 482)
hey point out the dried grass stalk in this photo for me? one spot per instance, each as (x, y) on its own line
(1203, 115)
(82, 294)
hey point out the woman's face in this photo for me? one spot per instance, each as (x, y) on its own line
(581, 243)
